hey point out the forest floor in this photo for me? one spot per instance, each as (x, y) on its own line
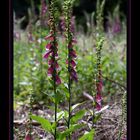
(109, 127)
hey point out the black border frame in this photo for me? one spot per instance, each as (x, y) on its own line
(129, 70)
(6, 71)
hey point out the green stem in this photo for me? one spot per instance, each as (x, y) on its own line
(54, 78)
(93, 112)
(41, 50)
(69, 79)
(55, 133)
(30, 113)
(31, 97)
(53, 27)
(69, 39)
(69, 118)
(69, 100)
(18, 87)
(117, 83)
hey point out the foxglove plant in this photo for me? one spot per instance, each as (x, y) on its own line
(17, 36)
(97, 102)
(99, 83)
(43, 18)
(99, 44)
(116, 26)
(44, 9)
(62, 24)
(28, 137)
(123, 122)
(99, 15)
(30, 42)
(70, 40)
(30, 28)
(30, 37)
(52, 52)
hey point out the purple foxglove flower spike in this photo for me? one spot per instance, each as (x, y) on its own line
(47, 54)
(49, 37)
(52, 62)
(73, 54)
(58, 80)
(98, 107)
(50, 71)
(48, 46)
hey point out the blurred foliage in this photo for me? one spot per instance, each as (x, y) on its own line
(30, 69)
(79, 8)
(28, 77)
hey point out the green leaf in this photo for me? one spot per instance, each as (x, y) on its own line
(44, 122)
(69, 131)
(25, 83)
(53, 127)
(51, 96)
(74, 106)
(65, 90)
(77, 116)
(60, 136)
(62, 114)
(59, 96)
(66, 85)
(88, 135)
(96, 118)
(67, 94)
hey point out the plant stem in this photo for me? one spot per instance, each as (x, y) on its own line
(93, 106)
(55, 133)
(69, 36)
(123, 115)
(30, 113)
(69, 87)
(31, 96)
(41, 50)
(124, 87)
(69, 79)
(54, 79)
(18, 86)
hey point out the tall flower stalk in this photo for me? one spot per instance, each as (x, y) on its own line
(52, 52)
(97, 103)
(99, 45)
(123, 122)
(99, 83)
(43, 11)
(70, 40)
